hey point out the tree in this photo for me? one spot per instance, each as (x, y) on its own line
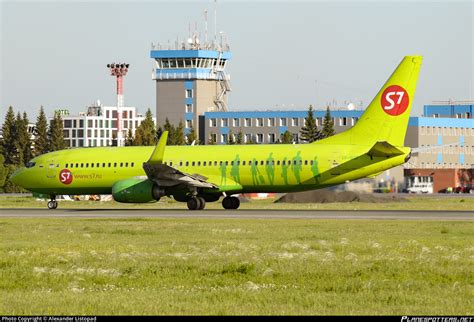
(191, 137)
(129, 139)
(212, 139)
(24, 139)
(309, 132)
(3, 171)
(287, 137)
(41, 134)
(170, 128)
(9, 145)
(55, 134)
(240, 137)
(178, 137)
(145, 134)
(328, 125)
(231, 140)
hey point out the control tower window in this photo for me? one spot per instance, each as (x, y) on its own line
(173, 63)
(180, 63)
(187, 63)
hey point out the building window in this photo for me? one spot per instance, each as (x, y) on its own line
(271, 138)
(236, 123)
(259, 138)
(189, 108)
(247, 122)
(294, 121)
(189, 124)
(343, 121)
(189, 93)
(224, 122)
(259, 122)
(271, 122)
(67, 124)
(212, 122)
(224, 138)
(248, 138)
(283, 121)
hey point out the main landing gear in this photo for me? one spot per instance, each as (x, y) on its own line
(196, 203)
(230, 202)
(52, 204)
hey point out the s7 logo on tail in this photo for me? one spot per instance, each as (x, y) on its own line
(394, 100)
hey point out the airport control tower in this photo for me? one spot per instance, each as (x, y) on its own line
(190, 80)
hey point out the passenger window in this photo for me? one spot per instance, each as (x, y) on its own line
(311, 162)
(66, 165)
(278, 162)
(187, 163)
(132, 164)
(97, 165)
(204, 163)
(171, 163)
(82, 165)
(110, 164)
(32, 164)
(243, 162)
(261, 162)
(180, 163)
(126, 164)
(77, 165)
(92, 165)
(231, 162)
(193, 163)
(305, 162)
(199, 163)
(121, 164)
(215, 163)
(115, 164)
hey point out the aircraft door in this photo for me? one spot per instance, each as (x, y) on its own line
(51, 169)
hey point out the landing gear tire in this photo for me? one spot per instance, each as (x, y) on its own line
(230, 203)
(196, 203)
(202, 203)
(53, 204)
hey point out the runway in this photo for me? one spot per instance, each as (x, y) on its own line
(240, 214)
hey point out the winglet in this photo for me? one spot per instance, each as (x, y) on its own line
(157, 155)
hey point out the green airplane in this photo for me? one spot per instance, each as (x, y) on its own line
(200, 174)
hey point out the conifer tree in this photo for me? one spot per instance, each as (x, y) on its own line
(287, 137)
(9, 145)
(41, 134)
(55, 134)
(129, 139)
(179, 138)
(191, 137)
(231, 140)
(146, 133)
(240, 137)
(170, 128)
(328, 125)
(24, 140)
(212, 140)
(309, 132)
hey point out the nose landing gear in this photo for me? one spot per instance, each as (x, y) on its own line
(52, 204)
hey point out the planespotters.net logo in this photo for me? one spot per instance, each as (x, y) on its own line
(394, 100)
(437, 319)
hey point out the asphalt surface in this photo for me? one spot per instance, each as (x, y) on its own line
(239, 214)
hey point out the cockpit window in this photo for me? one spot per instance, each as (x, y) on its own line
(30, 164)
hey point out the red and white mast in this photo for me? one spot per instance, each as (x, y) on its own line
(119, 71)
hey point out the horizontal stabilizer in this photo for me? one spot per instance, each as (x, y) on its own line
(384, 149)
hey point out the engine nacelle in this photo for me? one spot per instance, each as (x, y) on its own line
(136, 190)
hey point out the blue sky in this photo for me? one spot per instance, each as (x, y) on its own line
(286, 55)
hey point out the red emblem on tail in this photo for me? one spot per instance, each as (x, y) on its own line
(394, 100)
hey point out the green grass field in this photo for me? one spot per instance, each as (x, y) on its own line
(235, 266)
(455, 202)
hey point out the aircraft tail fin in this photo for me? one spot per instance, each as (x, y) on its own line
(386, 118)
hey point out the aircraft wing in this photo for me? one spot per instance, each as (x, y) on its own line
(167, 176)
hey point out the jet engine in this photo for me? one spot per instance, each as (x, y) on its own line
(136, 190)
